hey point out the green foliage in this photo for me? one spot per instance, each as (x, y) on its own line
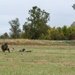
(72, 31)
(36, 27)
(4, 36)
(36, 24)
(55, 34)
(65, 32)
(15, 30)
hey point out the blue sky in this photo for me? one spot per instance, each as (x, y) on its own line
(61, 12)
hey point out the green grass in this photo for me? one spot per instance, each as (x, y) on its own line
(43, 60)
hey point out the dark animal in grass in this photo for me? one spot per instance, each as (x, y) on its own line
(22, 50)
(4, 47)
(28, 51)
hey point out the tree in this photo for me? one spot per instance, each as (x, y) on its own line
(15, 30)
(36, 24)
(73, 24)
(65, 32)
(72, 31)
(73, 6)
(4, 36)
(55, 34)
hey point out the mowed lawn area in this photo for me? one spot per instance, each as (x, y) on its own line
(42, 60)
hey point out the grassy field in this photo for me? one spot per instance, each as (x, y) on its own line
(43, 60)
(38, 42)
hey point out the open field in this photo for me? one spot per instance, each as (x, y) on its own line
(43, 60)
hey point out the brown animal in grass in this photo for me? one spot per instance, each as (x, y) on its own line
(4, 47)
(22, 50)
(28, 51)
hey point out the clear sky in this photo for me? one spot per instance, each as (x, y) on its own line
(61, 12)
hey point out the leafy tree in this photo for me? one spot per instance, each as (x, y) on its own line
(36, 24)
(72, 31)
(60, 33)
(4, 36)
(55, 34)
(73, 6)
(15, 30)
(65, 32)
(73, 24)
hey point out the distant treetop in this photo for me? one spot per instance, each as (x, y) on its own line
(73, 6)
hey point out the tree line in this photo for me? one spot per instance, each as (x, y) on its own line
(36, 27)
